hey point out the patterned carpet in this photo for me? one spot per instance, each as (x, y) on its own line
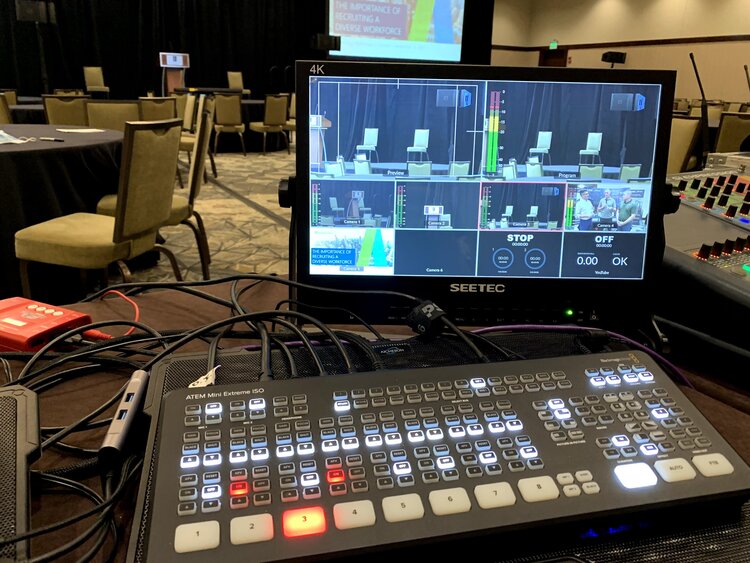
(247, 230)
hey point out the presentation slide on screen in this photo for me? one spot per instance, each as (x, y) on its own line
(429, 30)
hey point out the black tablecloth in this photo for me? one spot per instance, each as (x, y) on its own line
(45, 179)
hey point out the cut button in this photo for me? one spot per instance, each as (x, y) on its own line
(304, 522)
(635, 475)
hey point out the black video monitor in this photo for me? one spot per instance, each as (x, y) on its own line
(502, 194)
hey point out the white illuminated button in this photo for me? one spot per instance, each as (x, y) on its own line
(614, 380)
(635, 475)
(357, 514)
(494, 495)
(488, 457)
(374, 440)
(528, 452)
(562, 414)
(310, 479)
(255, 404)
(538, 489)
(238, 456)
(457, 431)
(198, 536)
(449, 501)
(213, 408)
(211, 492)
(209, 460)
(308, 448)
(259, 454)
(514, 425)
(402, 468)
(189, 461)
(341, 406)
(348, 443)
(284, 451)
(475, 430)
(649, 449)
(556, 404)
(620, 440)
(630, 378)
(393, 439)
(496, 427)
(598, 381)
(416, 436)
(251, 529)
(478, 382)
(330, 446)
(446, 462)
(646, 376)
(660, 413)
(403, 507)
(713, 465)
(435, 434)
(674, 470)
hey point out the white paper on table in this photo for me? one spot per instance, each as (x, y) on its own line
(80, 130)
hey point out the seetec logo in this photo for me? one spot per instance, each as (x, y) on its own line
(477, 288)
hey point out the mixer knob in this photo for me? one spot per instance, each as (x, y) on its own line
(720, 180)
(715, 191)
(745, 209)
(709, 203)
(733, 178)
(739, 244)
(704, 252)
(702, 192)
(731, 211)
(682, 185)
(728, 189)
(717, 249)
(695, 184)
(723, 200)
(708, 182)
(728, 246)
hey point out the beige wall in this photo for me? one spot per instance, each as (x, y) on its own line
(579, 22)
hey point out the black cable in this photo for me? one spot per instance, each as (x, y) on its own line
(288, 354)
(7, 370)
(364, 345)
(306, 342)
(138, 289)
(266, 373)
(248, 316)
(259, 277)
(447, 322)
(359, 319)
(507, 354)
(214, 346)
(78, 330)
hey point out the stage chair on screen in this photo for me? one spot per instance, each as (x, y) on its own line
(334, 168)
(369, 142)
(543, 144)
(157, 109)
(234, 79)
(458, 168)
(111, 114)
(420, 144)
(274, 119)
(90, 241)
(335, 207)
(682, 140)
(593, 146)
(506, 217)
(734, 129)
(590, 171)
(10, 95)
(534, 169)
(532, 216)
(5, 117)
(228, 118)
(65, 110)
(419, 168)
(93, 77)
(628, 171)
(362, 167)
(510, 171)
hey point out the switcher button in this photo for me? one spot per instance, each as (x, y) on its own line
(635, 475)
(494, 495)
(403, 507)
(198, 536)
(450, 501)
(537, 489)
(713, 465)
(673, 470)
(251, 529)
(306, 521)
(358, 514)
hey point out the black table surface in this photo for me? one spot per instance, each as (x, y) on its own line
(40, 180)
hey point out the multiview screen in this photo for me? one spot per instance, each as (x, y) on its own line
(427, 30)
(466, 178)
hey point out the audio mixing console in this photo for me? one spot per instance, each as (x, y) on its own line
(339, 466)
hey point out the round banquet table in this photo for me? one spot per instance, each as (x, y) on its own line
(40, 180)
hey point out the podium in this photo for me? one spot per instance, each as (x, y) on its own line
(318, 126)
(173, 67)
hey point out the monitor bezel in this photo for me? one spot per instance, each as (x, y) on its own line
(599, 302)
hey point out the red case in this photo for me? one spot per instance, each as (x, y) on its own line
(27, 325)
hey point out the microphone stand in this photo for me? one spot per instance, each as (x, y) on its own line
(704, 115)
